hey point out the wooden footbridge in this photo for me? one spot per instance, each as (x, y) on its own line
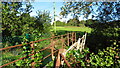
(57, 48)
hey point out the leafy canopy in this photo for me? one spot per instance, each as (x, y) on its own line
(102, 11)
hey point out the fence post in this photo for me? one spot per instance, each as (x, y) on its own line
(68, 38)
(62, 51)
(32, 47)
(75, 36)
(62, 41)
(59, 61)
(72, 38)
(57, 65)
(65, 60)
(52, 48)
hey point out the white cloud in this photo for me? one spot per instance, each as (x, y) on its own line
(33, 14)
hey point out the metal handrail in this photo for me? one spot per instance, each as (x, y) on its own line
(32, 42)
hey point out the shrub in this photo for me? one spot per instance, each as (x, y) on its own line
(106, 57)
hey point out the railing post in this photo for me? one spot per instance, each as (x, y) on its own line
(32, 47)
(59, 61)
(72, 38)
(65, 60)
(62, 41)
(68, 39)
(57, 65)
(52, 48)
(75, 36)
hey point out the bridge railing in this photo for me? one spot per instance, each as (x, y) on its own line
(54, 46)
(78, 45)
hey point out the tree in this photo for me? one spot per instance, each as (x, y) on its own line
(9, 17)
(43, 20)
(108, 11)
(73, 22)
(17, 21)
(90, 22)
(14, 18)
(105, 21)
(75, 9)
(102, 11)
(59, 23)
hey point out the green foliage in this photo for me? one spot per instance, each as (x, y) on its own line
(77, 57)
(27, 50)
(9, 56)
(43, 20)
(90, 22)
(108, 57)
(50, 64)
(102, 11)
(16, 21)
(10, 18)
(19, 27)
(73, 22)
(103, 35)
(76, 8)
(59, 23)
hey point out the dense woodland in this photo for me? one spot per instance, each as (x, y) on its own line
(102, 44)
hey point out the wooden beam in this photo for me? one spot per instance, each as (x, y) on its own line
(57, 65)
(65, 60)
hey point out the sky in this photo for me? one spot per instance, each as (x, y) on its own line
(48, 6)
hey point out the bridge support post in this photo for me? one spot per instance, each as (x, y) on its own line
(57, 65)
(52, 49)
(68, 38)
(75, 36)
(61, 59)
(72, 38)
(65, 60)
(62, 41)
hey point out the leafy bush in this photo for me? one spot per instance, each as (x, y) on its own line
(108, 57)
(27, 50)
(77, 57)
(16, 21)
(59, 23)
(103, 35)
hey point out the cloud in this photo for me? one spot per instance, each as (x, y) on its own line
(33, 14)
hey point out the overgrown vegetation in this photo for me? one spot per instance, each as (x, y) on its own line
(103, 38)
(103, 35)
(109, 57)
(18, 27)
(17, 24)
